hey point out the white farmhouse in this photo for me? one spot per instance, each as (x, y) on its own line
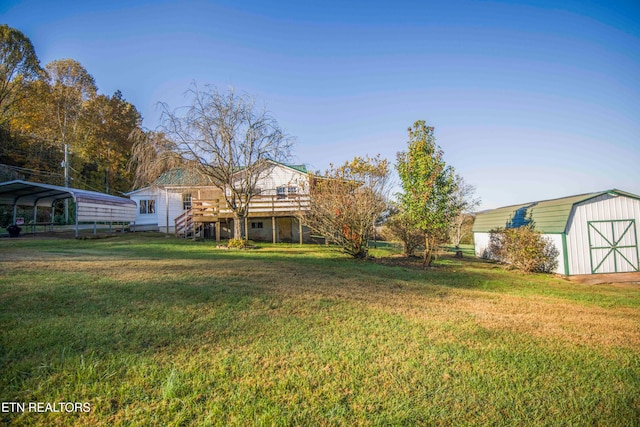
(594, 233)
(189, 205)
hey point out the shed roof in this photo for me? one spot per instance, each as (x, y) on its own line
(548, 216)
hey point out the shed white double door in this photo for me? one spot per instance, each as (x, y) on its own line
(613, 246)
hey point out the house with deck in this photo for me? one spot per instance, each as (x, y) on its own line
(190, 205)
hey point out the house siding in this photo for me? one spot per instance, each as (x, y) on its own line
(158, 220)
(280, 176)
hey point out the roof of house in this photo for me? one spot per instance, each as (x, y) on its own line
(189, 177)
(547, 216)
(183, 177)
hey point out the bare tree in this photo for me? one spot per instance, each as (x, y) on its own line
(224, 137)
(152, 154)
(466, 202)
(346, 201)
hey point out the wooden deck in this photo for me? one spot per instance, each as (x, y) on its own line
(215, 209)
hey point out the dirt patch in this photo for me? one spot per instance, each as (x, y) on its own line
(613, 278)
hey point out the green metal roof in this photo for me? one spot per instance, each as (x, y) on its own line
(299, 168)
(190, 177)
(547, 216)
(183, 177)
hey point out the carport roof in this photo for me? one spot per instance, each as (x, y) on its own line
(24, 193)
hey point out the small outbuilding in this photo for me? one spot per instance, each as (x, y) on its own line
(91, 206)
(594, 233)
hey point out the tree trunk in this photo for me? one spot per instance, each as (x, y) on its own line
(237, 224)
(428, 249)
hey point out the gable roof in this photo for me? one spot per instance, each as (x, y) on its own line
(187, 177)
(183, 177)
(548, 216)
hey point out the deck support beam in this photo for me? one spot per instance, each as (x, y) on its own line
(300, 229)
(273, 228)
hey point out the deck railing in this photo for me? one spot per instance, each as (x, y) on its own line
(212, 210)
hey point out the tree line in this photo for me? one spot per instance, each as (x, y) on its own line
(47, 111)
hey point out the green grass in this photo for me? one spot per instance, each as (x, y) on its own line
(153, 330)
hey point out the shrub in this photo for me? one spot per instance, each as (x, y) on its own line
(524, 249)
(404, 230)
(238, 243)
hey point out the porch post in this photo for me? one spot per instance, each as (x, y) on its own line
(218, 231)
(273, 228)
(300, 229)
(166, 208)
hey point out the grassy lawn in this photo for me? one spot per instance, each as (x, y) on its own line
(151, 330)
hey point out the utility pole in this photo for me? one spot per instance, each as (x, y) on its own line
(66, 182)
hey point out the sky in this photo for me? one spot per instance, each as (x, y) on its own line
(530, 100)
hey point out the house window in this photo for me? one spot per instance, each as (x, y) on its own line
(284, 190)
(186, 201)
(255, 225)
(147, 207)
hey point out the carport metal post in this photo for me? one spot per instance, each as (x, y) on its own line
(35, 215)
(76, 202)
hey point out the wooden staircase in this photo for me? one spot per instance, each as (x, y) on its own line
(184, 224)
(191, 222)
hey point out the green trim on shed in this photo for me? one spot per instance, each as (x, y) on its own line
(565, 254)
(548, 216)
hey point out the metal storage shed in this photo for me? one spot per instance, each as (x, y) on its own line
(594, 233)
(91, 206)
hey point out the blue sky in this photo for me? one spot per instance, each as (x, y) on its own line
(530, 100)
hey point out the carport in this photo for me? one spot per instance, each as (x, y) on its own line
(91, 206)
